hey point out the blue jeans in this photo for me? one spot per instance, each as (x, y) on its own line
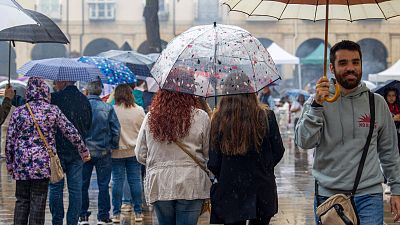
(73, 173)
(369, 208)
(103, 172)
(131, 167)
(178, 212)
(126, 195)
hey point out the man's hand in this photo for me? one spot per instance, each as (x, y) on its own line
(395, 207)
(396, 117)
(321, 90)
(9, 92)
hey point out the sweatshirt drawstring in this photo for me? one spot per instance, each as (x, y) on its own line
(341, 122)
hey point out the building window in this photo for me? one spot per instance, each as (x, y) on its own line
(101, 9)
(207, 11)
(163, 11)
(50, 8)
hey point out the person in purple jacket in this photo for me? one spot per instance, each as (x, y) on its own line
(27, 158)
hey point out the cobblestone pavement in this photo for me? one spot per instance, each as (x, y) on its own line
(295, 189)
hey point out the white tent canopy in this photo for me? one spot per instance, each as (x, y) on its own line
(280, 56)
(392, 73)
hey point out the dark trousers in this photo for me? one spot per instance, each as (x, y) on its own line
(31, 202)
(252, 222)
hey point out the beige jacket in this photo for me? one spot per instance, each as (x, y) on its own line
(131, 120)
(170, 173)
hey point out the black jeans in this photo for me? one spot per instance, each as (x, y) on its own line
(31, 202)
(252, 222)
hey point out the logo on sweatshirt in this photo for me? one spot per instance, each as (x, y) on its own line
(365, 121)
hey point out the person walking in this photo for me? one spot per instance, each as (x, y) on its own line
(102, 137)
(174, 182)
(27, 157)
(124, 162)
(338, 131)
(75, 106)
(245, 147)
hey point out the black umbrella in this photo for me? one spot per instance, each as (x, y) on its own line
(46, 32)
(389, 84)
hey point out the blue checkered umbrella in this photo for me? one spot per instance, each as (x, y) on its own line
(115, 72)
(65, 69)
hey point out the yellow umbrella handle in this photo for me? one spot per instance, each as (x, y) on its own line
(337, 92)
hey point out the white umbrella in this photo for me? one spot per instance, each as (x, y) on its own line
(350, 10)
(12, 14)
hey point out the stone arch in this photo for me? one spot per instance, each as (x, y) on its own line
(99, 45)
(4, 60)
(48, 50)
(144, 47)
(266, 42)
(374, 56)
(310, 73)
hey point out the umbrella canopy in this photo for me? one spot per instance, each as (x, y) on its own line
(294, 93)
(47, 32)
(62, 69)
(349, 10)
(115, 72)
(138, 63)
(389, 84)
(132, 57)
(215, 60)
(13, 15)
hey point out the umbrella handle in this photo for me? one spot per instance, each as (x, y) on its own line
(337, 92)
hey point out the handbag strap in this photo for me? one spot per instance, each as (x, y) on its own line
(182, 146)
(51, 153)
(366, 146)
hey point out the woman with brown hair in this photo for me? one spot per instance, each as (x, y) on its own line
(244, 149)
(174, 183)
(130, 117)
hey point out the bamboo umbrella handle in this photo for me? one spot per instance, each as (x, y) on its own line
(337, 87)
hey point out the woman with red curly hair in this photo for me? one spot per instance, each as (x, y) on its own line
(174, 183)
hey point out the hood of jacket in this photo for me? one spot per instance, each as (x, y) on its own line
(37, 89)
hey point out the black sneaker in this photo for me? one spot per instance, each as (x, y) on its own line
(104, 221)
(83, 220)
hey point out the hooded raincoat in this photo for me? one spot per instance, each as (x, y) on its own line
(26, 154)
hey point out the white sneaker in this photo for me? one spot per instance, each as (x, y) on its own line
(116, 219)
(139, 217)
(126, 208)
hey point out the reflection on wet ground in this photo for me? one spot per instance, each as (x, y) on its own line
(295, 189)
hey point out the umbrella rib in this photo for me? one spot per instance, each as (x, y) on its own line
(316, 9)
(252, 66)
(280, 16)
(348, 8)
(256, 7)
(381, 10)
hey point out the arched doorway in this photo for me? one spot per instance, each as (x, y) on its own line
(48, 50)
(144, 47)
(265, 42)
(99, 45)
(310, 72)
(374, 56)
(4, 60)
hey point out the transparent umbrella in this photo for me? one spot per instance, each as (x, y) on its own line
(215, 60)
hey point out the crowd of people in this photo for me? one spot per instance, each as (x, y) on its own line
(189, 153)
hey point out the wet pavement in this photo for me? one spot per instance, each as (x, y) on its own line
(295, 190)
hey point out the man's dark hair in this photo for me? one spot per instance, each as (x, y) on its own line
(344, 45)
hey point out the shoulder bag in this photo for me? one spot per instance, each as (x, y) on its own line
(206, 207)
(56, 171)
